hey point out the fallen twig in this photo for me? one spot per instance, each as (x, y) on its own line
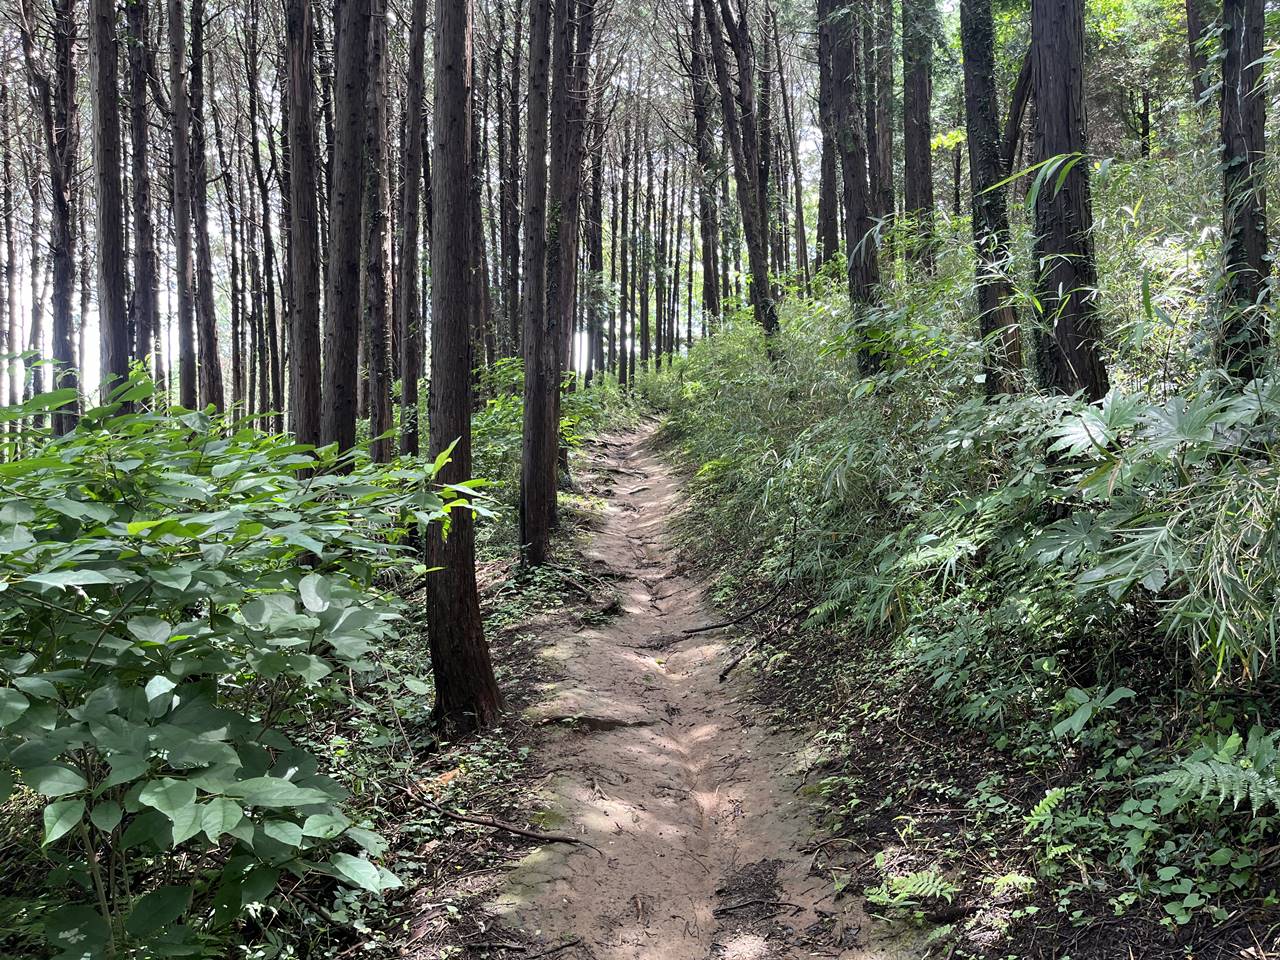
(500, 825)
(758, 901)
(556, 949)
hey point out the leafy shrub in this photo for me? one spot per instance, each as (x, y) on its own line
(179, 596)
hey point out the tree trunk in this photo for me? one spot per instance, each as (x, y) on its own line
(1241, 347)
(55, 102)
(738, 110)
(997, 320)
(919, 31)
(104, 91)
(864, 267)
(793, 151)
(467, 696)
(410, 316)
(704, 146)
(1068, 352)
(146, 292)
(209, 363)
(376, 241)
(184, 265)
(342, 322)
(828, 185)
(1199, 16)
(304, 234)
(538, 450)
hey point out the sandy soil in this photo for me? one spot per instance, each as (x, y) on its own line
(697, 844)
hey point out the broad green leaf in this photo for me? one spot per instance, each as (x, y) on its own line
(375, 843)
(283, 831)
(157, 910)
(315, 592)
(106, 815)
(274, 792)
(77, 930)
(55, 780)
(61, 816)
(356, 871)
(220, 816)
(326, 826)
(168, 796)
(187, 822)
(12, 705)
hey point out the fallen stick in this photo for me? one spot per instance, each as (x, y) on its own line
(564, 946)
(721, 911)
(500, 825)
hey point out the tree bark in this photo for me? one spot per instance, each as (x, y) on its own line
(738, 110)
(1068, 352)
(304, 234)
(104, 91)
(410, 315)
(539, 430)
(1241, 347)
(339, 372)
(704, 147)
(209, 364)
(376, 240)
(997, 320)
(828, 184)
(184, 261)
(919, 31)
(467, 696)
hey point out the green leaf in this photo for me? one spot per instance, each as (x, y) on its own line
(283, 831)
(157, 910)
(326, 826)
(55, 780)
(12, 705)
(356, 871)
(150, 630)
(61, 816)
(375, 843)
(221, 816)
(168, 796)
(315, 592)
(187, 822)
(69, 578)
(275, 792)
(106, 815)
(78, 930)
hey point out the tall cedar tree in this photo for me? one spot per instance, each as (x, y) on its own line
(1243, 339)
(705, 152)
(104, 91)
(209, 366)
(996, 317)
(55, 104)
(850, 135)
(828, 187)
(146, 270)
(304, 228)
(538, 449)
(340, 372)
(1068, 353)
(467, 696)
(180, 162)
(741, 129)
(919, 33)
(375, 293)
(409, 319)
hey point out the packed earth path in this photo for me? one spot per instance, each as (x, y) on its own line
(696, 841)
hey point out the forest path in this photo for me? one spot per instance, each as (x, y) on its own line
(688, 801)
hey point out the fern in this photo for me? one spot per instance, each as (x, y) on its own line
(1040, 814)
(913, 888)
(1202, 778)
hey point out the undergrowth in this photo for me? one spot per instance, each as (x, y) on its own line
(1079, 599)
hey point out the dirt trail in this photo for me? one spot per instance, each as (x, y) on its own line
(688, 801)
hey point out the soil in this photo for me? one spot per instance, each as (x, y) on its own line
(694, 841)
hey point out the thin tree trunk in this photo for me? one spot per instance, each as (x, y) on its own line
(1242, 345)
(919, 30)
(209, 364)
(997, 320)
(304, 235)
(184, 261)
(410, 316)
(467, 695)
(104, 91)
(1068, 351)
(375, 297)
(339, 372)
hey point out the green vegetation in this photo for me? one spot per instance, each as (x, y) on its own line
(1079, 600)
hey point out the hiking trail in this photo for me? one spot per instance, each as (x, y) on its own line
(697, 843)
